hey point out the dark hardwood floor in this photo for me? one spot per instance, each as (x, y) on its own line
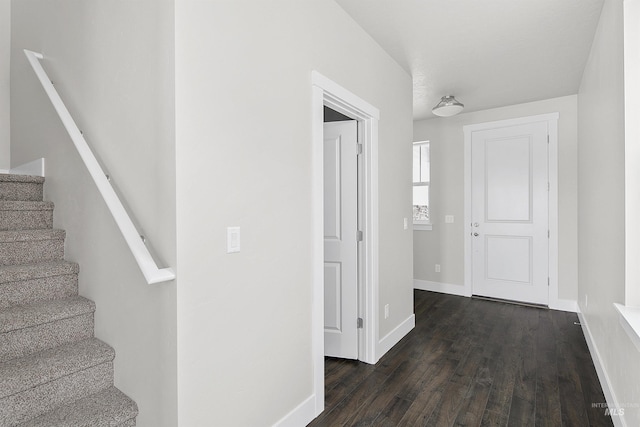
(471, 362)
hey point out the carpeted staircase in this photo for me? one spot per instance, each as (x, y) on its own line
(53, 372)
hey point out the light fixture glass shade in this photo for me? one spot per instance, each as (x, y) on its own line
(448, 106)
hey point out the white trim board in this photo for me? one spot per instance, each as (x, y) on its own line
(564, 305)
(630, 321)
(394, 337)
(605, 382)
(301, 415)
(329, 93)
(443, 288)
(35, 168)
(461, 290)
(552, 123)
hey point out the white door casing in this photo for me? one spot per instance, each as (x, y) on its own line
(510, 212)
(326, 92)
(340, 243)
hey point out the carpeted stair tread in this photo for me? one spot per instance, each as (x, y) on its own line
(7, 177)
(21, 187)
(31, 246)
(108, 408)
(22, 205)
(14, 273)
(25, 316)
(22, 215)
(22, 373)
(10, 236)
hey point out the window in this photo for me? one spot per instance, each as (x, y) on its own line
(421, 174)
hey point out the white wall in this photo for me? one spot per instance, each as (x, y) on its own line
(601, 159)
(632, 149)
(5, 54)
(243, 106)
(444, 244)
(113, 64)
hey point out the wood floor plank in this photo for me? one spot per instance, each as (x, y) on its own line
(393, 413)
(574, 411)
(363, 393)
(357, 373)
(548, 411)
(367, 414)
(452, 401)
(432, 385)
(473, 407)
(474, 363)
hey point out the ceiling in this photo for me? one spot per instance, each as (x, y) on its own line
(488, 53)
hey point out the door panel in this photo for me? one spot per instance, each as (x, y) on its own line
(508, 180)
(332, 296)
(510, 215)
(340, 244)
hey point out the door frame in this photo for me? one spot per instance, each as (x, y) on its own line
(552, 125)
(325, 92)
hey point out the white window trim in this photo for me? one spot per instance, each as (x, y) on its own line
(422, 226)
(419, 225)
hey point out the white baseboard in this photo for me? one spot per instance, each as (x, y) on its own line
(564, 305)
(35, 167)
(301, 415)
(393, 337)
(609, 395)
(444, 288)
(460, 290)
(4, 170)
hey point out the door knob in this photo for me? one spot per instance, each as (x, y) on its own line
(476, 234)
(475, 224)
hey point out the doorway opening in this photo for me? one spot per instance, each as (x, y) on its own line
(327, 93)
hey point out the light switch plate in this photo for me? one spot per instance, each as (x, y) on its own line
(233, 239)
(448, 219)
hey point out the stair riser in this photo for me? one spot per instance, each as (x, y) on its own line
(36, 401)
(26, 252)
(45, 288)
(48, 335)
(26, 220)
(28, 191)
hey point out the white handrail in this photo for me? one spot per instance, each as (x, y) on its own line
(151, 272)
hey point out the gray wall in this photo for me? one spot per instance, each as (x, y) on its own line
(244, 319)
(444, 244)
(112, 63)
(601, 202)
(5, 54)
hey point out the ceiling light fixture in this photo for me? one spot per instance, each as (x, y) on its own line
(448, 106)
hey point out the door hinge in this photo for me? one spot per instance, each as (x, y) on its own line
(359, 236)
(548, 282)
(358, 149)
(547, 138)
(360, 323)
(548, 186)
(548, 234)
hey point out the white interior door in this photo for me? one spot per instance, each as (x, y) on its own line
(510, 217)
(340, 242)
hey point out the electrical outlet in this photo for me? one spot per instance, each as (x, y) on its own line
(448, 219)
(386, 311)
(406, 223)
(586, 301)
(437, 268)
